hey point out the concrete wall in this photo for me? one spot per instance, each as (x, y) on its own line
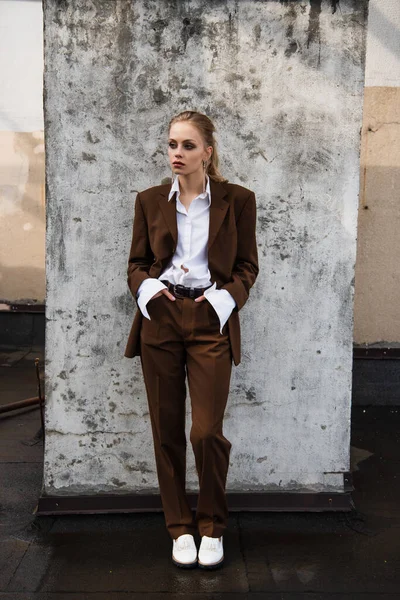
(22, 198)
(284, 83)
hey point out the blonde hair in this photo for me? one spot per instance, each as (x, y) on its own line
(206, 129)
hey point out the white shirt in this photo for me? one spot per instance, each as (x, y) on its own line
(189, 264)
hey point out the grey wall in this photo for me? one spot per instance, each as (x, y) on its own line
(284, 83)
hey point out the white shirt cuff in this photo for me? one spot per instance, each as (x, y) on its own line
(146, 290)
(222, 302)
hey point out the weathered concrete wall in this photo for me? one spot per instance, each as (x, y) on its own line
(283, 82)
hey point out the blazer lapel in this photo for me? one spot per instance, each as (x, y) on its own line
(218, 209)
(169, 211)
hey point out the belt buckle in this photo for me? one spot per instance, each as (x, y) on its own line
(176, 291)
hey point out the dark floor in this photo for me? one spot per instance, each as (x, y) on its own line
(289, 556)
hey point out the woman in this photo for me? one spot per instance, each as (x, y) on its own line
(192, 262)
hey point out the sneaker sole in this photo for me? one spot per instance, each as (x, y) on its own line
(212, 566)
(184, 565)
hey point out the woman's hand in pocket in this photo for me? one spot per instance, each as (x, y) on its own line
(165, 292)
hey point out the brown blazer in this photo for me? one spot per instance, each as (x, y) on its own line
(232, 247)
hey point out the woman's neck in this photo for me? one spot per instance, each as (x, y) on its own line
(192, 184)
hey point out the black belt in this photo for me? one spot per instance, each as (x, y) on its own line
(182, 291)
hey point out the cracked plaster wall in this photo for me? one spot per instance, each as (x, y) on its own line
(284, 83)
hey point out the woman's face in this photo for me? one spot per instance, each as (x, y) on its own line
(186, 147)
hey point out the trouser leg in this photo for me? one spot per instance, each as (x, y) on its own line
(209, 364)
(163, 358)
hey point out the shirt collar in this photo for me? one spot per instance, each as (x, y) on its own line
(175, 188)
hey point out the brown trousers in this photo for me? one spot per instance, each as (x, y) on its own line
(182, 338)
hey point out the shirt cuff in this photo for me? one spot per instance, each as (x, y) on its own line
(146, 290)
(222, 302)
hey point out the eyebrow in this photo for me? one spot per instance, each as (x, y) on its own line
(172, 140)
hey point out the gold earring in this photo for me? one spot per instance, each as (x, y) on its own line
(205, 165)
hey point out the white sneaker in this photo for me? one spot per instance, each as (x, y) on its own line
(184, 551)
(211, 552)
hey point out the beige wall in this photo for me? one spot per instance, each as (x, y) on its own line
(22, 230)
(22, 203)
(377, 278)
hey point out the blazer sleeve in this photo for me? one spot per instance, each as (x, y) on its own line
(140, 255)
(246, 267)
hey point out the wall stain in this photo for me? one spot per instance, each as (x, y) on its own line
(160, 97)
(89, 157)
(262, 459)
(117, 482)
(91, 139)
(313, 31)
(334, 4)
(123, 303)
(191, 28)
